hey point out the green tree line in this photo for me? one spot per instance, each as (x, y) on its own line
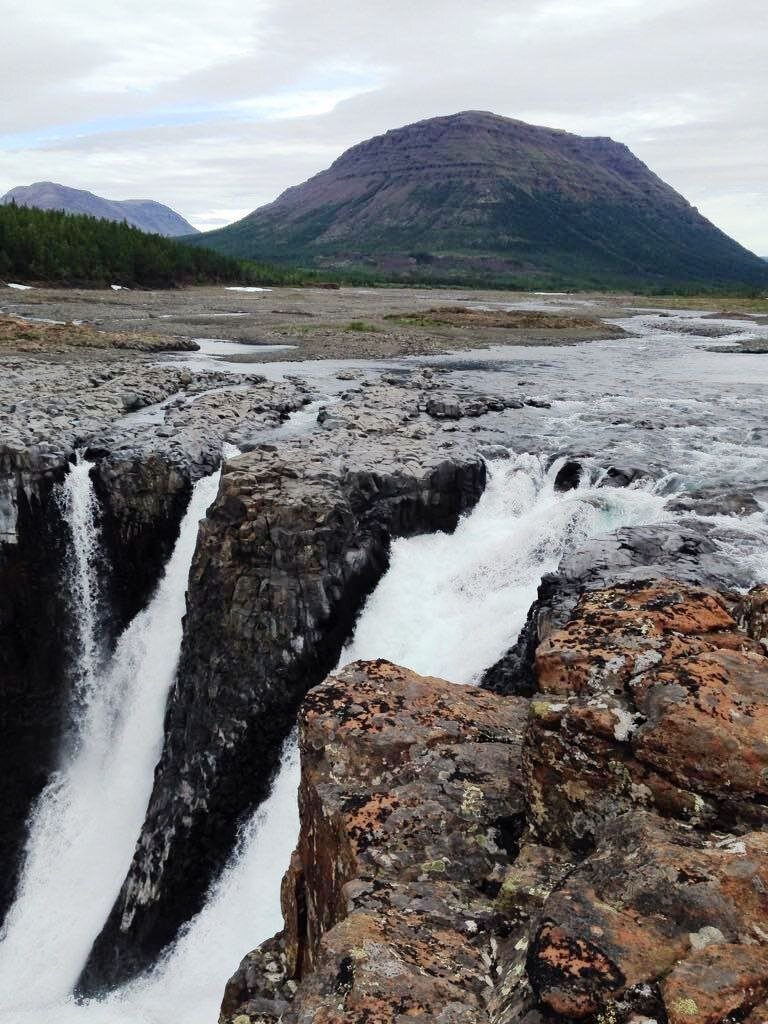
(49, 246)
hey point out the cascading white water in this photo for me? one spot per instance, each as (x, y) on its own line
(84, 826)
(80, 512)
(449, 605)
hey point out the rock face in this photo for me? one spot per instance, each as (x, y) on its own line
(32, 622)
(683, 551)
(145, 214)
(655, 699)
(285, 559)
(629, 882)
(474, 193)
(411, 807)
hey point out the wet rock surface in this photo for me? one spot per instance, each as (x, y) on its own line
(632, 886)
(144, 470)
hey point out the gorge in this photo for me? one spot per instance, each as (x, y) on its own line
(493, 517)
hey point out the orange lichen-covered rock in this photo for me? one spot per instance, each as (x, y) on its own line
(715, 984)
(651, 696)
(411, 807)
(598, 853)
(651, 894)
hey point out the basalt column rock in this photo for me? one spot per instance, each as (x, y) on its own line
(143, 496)
(285, 559)
(411, 807)
(32, 623)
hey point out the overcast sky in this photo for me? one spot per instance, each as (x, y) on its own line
(215, 107)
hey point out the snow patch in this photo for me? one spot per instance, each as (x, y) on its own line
(242, 288)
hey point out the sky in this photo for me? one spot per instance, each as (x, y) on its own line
(215, 108)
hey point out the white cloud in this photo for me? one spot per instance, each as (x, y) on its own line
(215, 109)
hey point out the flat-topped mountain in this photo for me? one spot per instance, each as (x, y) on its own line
(141, 213)
(478, 195)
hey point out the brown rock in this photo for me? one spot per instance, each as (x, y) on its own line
(707, 723)
(411, 806)
(654, 699)
(752, 613)
(716, 984)
(651, 894)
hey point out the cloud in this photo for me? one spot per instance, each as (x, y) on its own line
(215, 109)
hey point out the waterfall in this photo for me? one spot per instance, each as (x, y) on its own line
(84, 827)
(76, 499)
(452, 604)
(448, 605)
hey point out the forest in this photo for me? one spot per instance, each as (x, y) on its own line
(52, 247)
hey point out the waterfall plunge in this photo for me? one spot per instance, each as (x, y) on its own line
(451, 605)
(80, 513)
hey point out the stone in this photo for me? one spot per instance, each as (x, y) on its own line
(409, 798)
(285, 559)
(721, 982)
(625, 916)
(568, 476)
(651, 696)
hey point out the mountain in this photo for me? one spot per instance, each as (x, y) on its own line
(145, 214)
(478, 196)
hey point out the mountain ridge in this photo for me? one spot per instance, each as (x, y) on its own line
(146, 214)
(475, 193)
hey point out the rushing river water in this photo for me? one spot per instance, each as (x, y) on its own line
(449, 605)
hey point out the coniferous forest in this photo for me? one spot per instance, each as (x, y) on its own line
(54, 247)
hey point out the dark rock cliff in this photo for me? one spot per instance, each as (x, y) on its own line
(285, 559)
(142, 502)
(32, 622)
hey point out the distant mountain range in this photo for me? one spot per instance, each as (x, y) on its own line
(478, 196)
(141, 213)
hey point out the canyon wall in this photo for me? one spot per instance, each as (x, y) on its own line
(285, 559)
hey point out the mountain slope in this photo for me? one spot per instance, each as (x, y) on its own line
(478, 195)
(145, 214)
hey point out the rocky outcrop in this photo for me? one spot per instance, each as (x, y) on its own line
(686, 551)
(631, 885)
(32, 622)
(411, 805)
(285, 559)
(654, 699)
